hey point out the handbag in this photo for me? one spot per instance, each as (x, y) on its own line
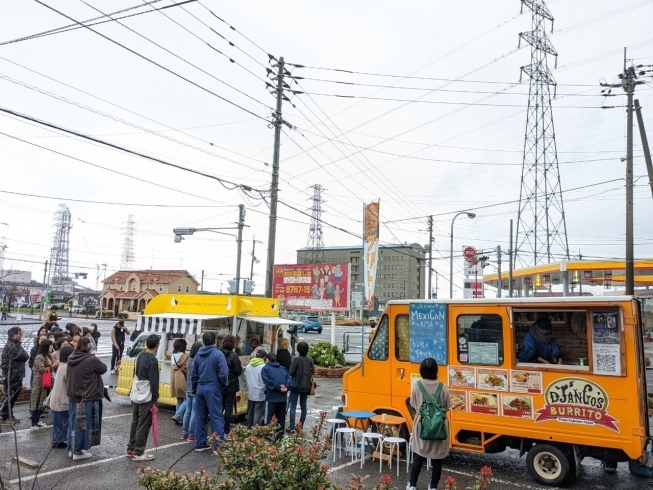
(141, 391)
(311, 392)
(46, 378)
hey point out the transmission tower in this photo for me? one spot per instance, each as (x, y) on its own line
(127, 261)
(59, 254)
(315, 242)
(541, 227)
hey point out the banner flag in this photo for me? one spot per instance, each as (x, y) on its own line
(371, 250)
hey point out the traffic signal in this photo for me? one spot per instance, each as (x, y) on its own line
(233, 286)
(81, 274)
(249, 286)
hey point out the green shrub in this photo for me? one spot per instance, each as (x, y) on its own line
(325, 354)
(105, 314)
(123, 315)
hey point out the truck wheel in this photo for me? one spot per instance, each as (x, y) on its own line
(549, 465)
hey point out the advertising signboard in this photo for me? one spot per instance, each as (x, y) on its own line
(371, 244)
(317, 287)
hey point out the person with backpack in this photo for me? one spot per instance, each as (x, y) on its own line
(431, 433)
(235, 370)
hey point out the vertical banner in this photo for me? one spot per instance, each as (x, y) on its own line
(371, 251)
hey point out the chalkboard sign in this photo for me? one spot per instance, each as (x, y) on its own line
(428, 332)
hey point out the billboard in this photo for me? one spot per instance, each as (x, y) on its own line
(371, 249)
(317, 287)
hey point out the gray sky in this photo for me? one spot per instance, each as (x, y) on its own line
(455, 153)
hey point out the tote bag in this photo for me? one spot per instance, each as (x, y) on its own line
(141, 390)
(46, 378)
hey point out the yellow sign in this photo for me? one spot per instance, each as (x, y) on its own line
(212, 304)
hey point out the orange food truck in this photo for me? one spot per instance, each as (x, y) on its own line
(593, 403)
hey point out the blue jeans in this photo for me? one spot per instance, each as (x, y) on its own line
(293, 408)
(188, 426)
(208, 401)
(181, 408)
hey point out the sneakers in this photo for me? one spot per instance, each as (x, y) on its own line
(191, 439)
(113, 371)
(40, 425)
(80, 456)
(130, 453)
(200, 449)
(9, 421)
(143, 457)
(184, 437)
(408, 487)
(70, 453)
(176, 420)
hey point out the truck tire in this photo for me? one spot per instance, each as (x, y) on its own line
(549, 465)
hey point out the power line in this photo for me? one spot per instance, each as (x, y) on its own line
(225, 183)
(154, 62)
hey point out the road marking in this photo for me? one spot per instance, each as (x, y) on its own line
(93, 463)
(4, 433)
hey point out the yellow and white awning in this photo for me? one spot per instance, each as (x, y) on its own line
(183, 323)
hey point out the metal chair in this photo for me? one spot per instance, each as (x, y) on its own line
(393, 443)
(373, 437)
(349, 435)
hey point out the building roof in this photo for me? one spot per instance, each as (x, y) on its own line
(130, 294)
(151, 276)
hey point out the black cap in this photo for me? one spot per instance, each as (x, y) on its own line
(544, 324)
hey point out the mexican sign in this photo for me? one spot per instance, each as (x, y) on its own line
(371, 250)
(318, 287)
(576, 401)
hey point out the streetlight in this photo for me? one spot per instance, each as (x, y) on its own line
(181, 232)
(470, 216)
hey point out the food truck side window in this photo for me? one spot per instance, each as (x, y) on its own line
(379, 348)
(139, 345)
(402, 338)
(480, 339)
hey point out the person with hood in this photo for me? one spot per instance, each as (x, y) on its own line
(210, 378)
(59, 401)
(147, 368)
(235, 370)
(540, 345)
(188, 425)
(95, 333)
(301, 371)
(85, 392)
(255, 389)
(118, 333)
(277, 381)
(12, 364)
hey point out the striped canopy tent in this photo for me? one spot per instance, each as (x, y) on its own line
(183, 323)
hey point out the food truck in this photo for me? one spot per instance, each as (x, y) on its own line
(187, 317)
(591, 404)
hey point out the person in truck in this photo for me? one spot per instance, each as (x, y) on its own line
(540, 345)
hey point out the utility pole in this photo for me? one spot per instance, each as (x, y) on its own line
(102, 295)
(499, 282)
(645, 147)
(511, 253)
(628, 82)
(241, 225)
(277, 121)
(430, 222)
(202, 284)
(44, 290)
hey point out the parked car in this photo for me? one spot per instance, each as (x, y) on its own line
(78, 309)
(19, 304)
(311, 323)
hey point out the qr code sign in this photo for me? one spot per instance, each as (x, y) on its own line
(606, 363)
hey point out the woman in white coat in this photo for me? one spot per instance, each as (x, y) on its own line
(422, 449)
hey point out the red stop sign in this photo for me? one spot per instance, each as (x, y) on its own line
(469, 253)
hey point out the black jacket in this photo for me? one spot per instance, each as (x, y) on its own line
(235, 369)
(32, 355)
(147, 367)
(301, 371)
(284, 358)
(85, 372)
(13, 360)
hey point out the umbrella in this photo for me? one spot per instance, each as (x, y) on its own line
(155, 425)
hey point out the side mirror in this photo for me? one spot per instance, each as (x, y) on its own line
(129, 351)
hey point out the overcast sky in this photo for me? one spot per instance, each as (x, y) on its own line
(457, 146)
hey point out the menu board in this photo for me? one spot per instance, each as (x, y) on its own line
(485, 403)
(484, 353)
(492, 379)
(428, 332)
(606, 343)
(525, 381)
(462, 377)
(517, 406)
(458, 401)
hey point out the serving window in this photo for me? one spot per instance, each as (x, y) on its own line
(480, 340)
(581, 339)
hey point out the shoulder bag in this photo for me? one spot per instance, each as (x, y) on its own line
(141, 391)
(46, 378)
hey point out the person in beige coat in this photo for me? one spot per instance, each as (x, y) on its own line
(178, 375)
(58, 401)
(423, 450)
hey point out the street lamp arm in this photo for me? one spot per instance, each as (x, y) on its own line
(470, 216)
